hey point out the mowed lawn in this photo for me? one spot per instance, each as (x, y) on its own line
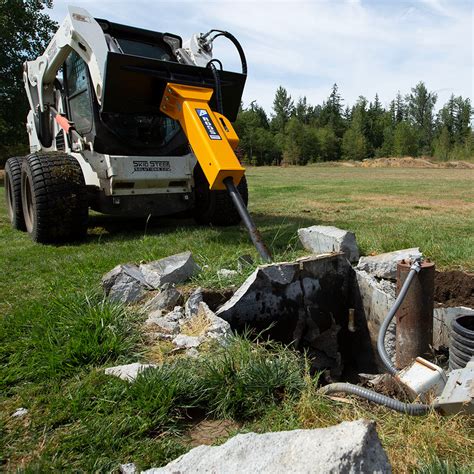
(55, 333)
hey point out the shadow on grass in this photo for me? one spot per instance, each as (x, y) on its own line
(277, 230)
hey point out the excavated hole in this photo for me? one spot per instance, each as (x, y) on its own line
(306, 305)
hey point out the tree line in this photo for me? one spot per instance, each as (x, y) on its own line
(298, 133)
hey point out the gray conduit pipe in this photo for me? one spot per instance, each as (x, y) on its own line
(391, 369)
(415, 409)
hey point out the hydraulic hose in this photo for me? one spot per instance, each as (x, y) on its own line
(414, 409)
(217, 82)
(231, 37)
(414, 269)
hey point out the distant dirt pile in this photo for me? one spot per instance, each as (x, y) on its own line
(404, 162)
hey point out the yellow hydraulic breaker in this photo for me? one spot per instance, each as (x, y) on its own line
(210, 134)
(213, 141)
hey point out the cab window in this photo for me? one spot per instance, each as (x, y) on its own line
(78, 92)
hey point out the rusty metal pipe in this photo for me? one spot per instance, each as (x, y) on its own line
(391, 369)
(415, 314)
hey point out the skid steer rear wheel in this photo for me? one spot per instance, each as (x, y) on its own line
(215, 207)
(54, 198)
(13, 192)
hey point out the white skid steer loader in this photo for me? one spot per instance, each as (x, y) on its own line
(129, 122)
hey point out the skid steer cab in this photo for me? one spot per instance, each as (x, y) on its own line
(128, 122)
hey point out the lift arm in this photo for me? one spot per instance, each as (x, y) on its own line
(213, 140)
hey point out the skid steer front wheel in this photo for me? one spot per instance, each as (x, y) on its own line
(54, 198)
(215, 207)
(13, 192)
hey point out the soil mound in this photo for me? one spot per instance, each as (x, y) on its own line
(454, 288)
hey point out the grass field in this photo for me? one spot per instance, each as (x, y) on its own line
(56, 332)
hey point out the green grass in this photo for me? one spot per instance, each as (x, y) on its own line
(57, 333)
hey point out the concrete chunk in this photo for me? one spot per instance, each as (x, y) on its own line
(166, 299)
(20, 413)
(320, 239)
(174, 269)
(349, 447)
(187, 342)
(384, 265)
(125, 284)
(128, 372)
(192, 304)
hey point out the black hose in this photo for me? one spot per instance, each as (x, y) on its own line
(415, 268)
(218, 88)
(231, 37)
(415, 409)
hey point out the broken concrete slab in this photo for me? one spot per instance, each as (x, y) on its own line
(303, 302)
(349, 447)
(166, 299)
(125, 284)
(192, 304)
(320, 239)
(374, 300)
(384, 265)
(174, 269)
(128, 372)
(442, 319)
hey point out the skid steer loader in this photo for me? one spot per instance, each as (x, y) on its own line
(129, 122)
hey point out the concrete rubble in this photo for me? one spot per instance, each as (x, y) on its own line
(384, 265)
(128, 372)
(348, 447)
(128, 468)
(320, 239)
(192, 304)
(130, 283)
(125, 284)
(166, 299)
(175, 269)
(20, 413)
(172, 326)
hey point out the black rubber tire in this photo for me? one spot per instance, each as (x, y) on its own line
(13, 192)
(215, 207)
(54, 198)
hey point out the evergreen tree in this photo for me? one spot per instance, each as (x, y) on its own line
(282, 108)
(405, 140)
(331, 113)
(420, 113)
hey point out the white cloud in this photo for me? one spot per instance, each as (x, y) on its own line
(366, 47)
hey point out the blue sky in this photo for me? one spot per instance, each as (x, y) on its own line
(364, 46)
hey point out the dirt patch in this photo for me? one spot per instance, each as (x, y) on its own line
(454, 288)
(209, 431)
